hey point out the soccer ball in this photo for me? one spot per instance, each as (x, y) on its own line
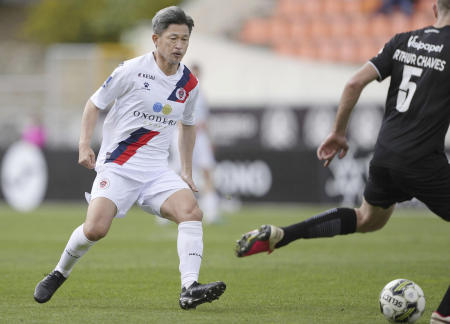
(402, 301)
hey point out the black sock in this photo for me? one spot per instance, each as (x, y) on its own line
(444, 307)
(336, 221)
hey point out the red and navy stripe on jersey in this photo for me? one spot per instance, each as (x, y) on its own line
(187, 82)
(129, 146)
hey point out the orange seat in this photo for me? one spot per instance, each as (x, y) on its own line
(347, 51)
(320, 28)
(370, 6)
(360, 27)
(340, 26)
(312, 8)
(400, 23)
(332, 7)
(352, 7)
(380, 26)
(300, 30)
(288, 8)
(278, 31)
(255, 32)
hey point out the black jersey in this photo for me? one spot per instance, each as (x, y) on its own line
(417, 112)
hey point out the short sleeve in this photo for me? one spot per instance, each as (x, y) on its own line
(188, 114)
(383, 60)
(114, 87)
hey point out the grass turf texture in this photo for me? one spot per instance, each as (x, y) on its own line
(132, 275)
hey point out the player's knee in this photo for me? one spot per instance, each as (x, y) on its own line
(367, 222)
(95, 232)
(194, 214)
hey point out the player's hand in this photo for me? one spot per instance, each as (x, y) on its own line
(86, 156)
(190, 182)
(333, 144)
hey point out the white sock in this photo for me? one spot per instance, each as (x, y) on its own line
(190, 251)
(77, 246)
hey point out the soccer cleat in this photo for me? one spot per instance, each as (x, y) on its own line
(47, 286)
(437, 318)
(258, 241)
(198, 294)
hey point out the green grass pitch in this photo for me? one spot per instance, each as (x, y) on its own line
(132, 275)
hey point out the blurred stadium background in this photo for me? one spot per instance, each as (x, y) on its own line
(273, 71)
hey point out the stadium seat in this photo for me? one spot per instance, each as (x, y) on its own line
(332, 7)
(310, 28)
(255, 31)
(399, 23)
(278, 31)
(300, 30)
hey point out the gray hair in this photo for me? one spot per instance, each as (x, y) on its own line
(168, 16)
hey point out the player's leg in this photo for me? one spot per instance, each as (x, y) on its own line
(442, 314)
(433, 189)
(100, 214)
(336, 221)
(380, 191)
(108, 200)
(182, 208)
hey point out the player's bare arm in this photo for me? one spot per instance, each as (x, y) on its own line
(86, 156)
(186, 143)
(336, 141)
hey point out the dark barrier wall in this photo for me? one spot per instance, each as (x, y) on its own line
(67, 179)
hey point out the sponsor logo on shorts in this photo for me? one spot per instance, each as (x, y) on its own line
(104, 183)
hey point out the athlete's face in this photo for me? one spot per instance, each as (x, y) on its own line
(172, 44)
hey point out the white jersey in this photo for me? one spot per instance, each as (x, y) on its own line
(147, 105)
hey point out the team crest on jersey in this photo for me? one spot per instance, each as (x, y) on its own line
(104, 183)
(180, 94)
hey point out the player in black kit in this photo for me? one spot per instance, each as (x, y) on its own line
(409, 159)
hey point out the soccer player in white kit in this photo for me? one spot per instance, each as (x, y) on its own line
(149, 95)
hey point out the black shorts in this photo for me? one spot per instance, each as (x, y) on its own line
(386, 187)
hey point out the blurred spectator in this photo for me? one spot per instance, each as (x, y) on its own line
(388, 6)
(34, 132)
(203, 158)
(203, 161)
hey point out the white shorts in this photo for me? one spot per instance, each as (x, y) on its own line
(125, 187)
